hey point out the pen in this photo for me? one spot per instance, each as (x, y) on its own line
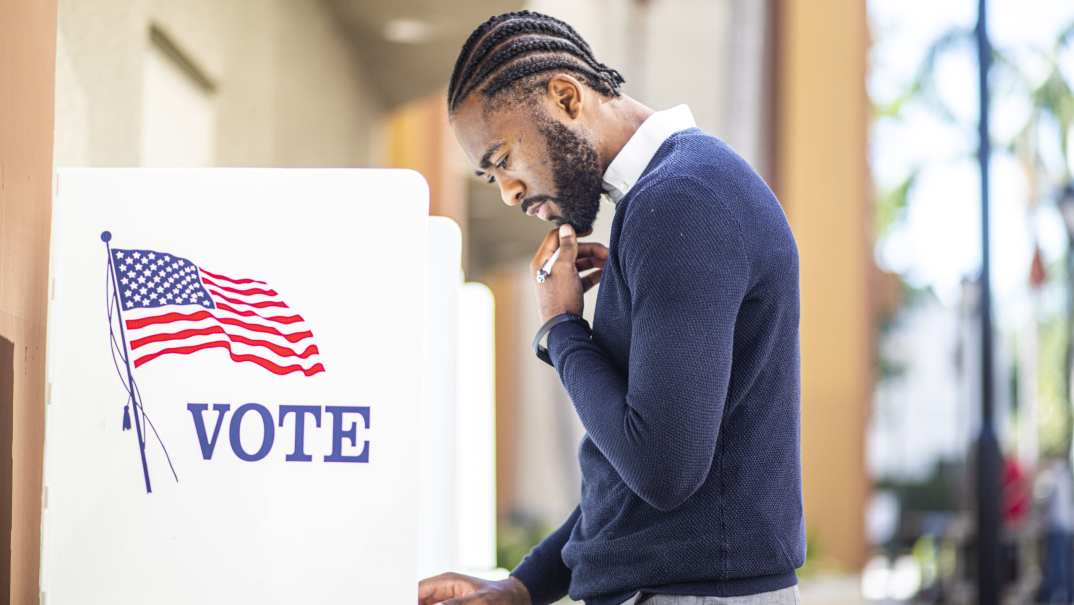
(546, 269)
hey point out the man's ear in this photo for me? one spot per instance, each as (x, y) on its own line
(566, 94)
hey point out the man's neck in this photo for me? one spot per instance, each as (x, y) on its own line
(624, 115)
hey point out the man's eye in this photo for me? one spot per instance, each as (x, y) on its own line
(502, 165)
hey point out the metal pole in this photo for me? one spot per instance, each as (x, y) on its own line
(137, 405)
(989, 582)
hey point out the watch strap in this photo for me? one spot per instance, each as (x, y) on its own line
(542, 351)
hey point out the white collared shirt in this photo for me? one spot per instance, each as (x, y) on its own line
(634, 157)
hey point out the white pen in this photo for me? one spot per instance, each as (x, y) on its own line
(546, 269)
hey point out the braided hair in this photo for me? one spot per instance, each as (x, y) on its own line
(514, 46)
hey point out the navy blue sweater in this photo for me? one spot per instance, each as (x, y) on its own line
(688, 391)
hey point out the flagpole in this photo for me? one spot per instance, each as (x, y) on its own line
(106, 237)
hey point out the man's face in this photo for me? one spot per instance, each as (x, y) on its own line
(537, 158)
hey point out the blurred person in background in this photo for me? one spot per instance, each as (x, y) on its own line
(1016, 505)
(1057, 585)
(688, 382)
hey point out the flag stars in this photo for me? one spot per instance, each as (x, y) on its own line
(153, 279)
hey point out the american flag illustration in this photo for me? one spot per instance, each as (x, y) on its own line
(161, 304)
(171, 306)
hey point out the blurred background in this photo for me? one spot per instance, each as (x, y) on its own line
(861, 115)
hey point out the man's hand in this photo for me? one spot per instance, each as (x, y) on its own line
(562, 291)
(457, 589)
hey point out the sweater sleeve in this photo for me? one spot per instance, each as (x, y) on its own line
(542, 571)
(685, 263)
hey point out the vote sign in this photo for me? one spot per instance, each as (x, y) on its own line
(234, 362)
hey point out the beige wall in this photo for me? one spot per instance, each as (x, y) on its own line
(418, 136)
(289, 90)
(822, 180)
(27, 55)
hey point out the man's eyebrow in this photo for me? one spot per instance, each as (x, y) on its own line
(486, 159)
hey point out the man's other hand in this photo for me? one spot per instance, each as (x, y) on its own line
(458, 589)
(562, 291)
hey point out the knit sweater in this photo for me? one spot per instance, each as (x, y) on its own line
(688, 390)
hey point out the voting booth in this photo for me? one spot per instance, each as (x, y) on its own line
(457, 511)
(240, 374)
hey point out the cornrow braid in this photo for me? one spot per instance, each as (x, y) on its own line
(525, 47)
(468, 46)
(513, 46)
(523, 69)
(522, 26)
(483, 29)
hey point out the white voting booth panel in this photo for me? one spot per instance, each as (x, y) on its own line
(457, 524)
(438, 512)
(272, 397)
(476, 420)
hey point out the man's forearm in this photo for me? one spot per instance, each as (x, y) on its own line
(542, 571)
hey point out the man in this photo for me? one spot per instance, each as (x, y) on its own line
(688, 382)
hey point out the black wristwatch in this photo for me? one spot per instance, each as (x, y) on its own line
(542, 351)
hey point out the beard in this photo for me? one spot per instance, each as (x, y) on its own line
(576, 172)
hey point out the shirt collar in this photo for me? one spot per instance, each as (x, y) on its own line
(628, 165)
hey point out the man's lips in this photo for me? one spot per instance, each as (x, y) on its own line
(532, 210)
(543, 212)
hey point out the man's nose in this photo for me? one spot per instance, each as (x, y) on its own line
(511, 190)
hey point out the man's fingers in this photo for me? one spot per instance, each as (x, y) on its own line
(589, 262)
(592, 249)
(591, 279)
(568, 245)
(547, 247)
(443, 587)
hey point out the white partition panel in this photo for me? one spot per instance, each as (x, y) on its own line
(476, 459)
(437, 424)
(233, 387)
